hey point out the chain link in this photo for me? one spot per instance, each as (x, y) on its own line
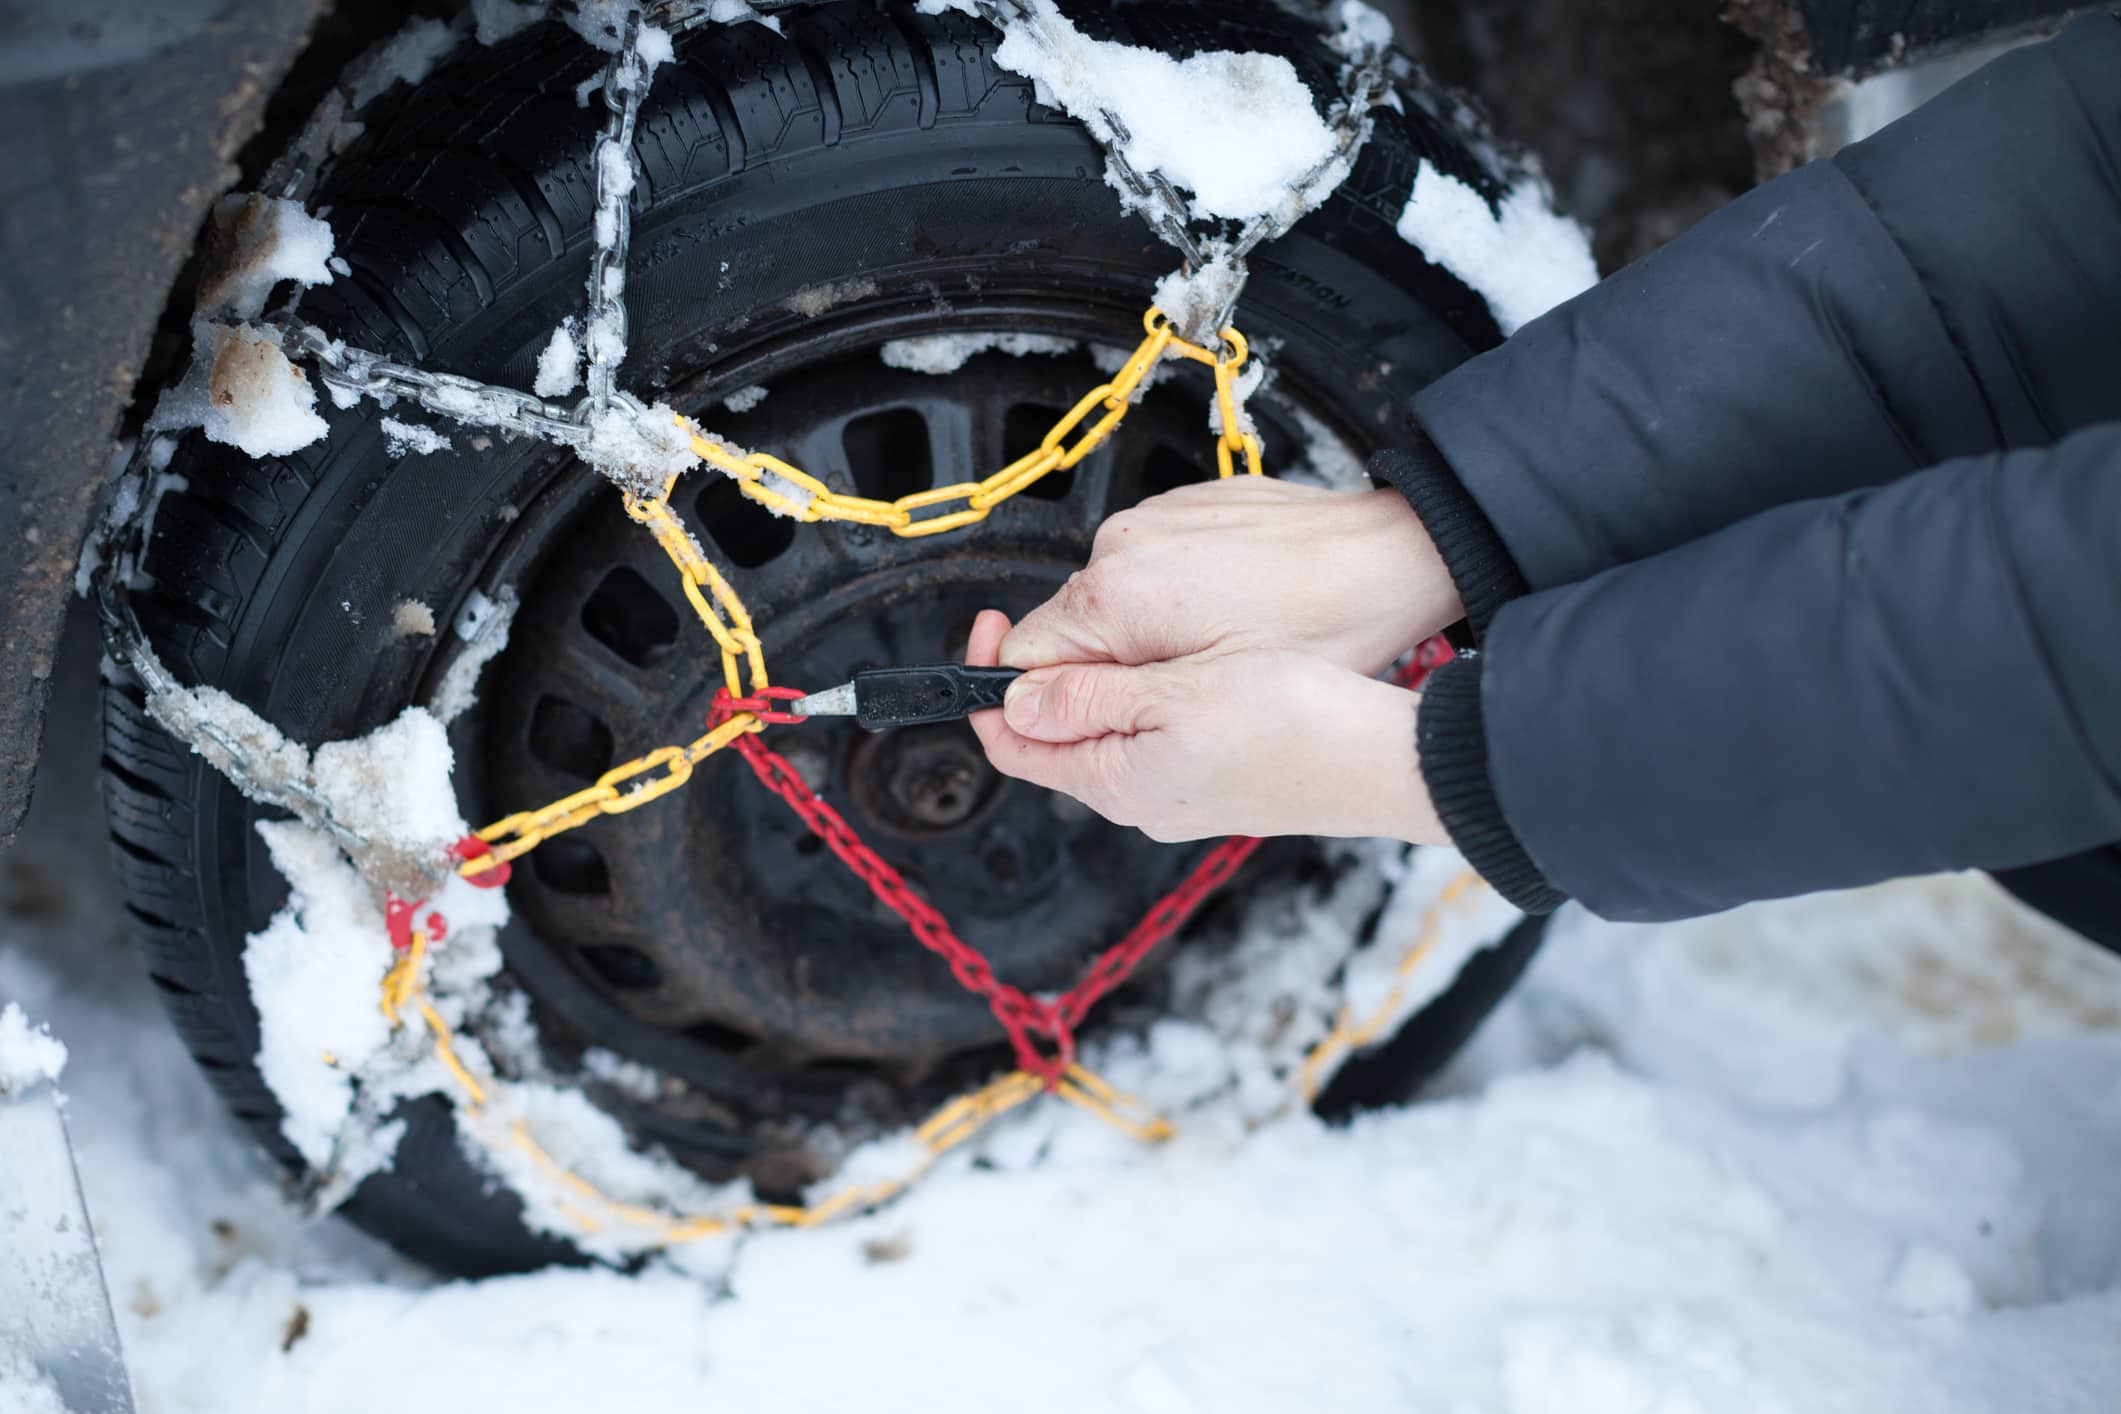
(1363, 83)
(790, 491)
(604, 328)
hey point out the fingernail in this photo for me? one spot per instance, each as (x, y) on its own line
(1020, 704)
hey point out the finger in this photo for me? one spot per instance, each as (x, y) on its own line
(983, 645)
(1078, 769)
(1082, 701)
(1070, 627)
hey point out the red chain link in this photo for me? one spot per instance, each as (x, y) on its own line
(1023, 1017)
(1429, 655)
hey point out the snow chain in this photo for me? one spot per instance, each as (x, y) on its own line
(1041, 1029)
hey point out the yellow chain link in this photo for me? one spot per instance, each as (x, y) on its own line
(790, 491)
(722, 611)
(1352, 1033)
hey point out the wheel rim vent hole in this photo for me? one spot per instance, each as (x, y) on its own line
(627, 615)
(748, 533)
(1166, 470)
(888, 453)
(569, 739)
(621, 966)
(1024, 426)
(569, 864)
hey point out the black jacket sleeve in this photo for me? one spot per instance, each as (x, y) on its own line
(1947, 288)
(1887, 682)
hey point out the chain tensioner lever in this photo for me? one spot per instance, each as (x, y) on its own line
(881, 698)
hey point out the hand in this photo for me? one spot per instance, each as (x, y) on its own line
(1250, 742)
(1247, 563)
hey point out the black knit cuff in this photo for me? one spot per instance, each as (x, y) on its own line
(1453, 742)
(1486, 577)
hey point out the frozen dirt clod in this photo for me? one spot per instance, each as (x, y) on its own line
(252, 243)
(243, 392)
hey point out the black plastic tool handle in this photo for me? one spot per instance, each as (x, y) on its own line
(936, 692)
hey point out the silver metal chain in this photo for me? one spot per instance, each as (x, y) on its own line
(351, 372)
(604, 327)
(1363, 83)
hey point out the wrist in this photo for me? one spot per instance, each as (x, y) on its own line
(1407, 592)
(1380, 792)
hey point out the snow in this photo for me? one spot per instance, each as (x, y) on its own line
(947, 353)
(28, 1054)
(1237, 130)
(615, 182)
(1363, 29)
(745, 399)
(813, 300)
(243, 392)
(496, 20)
(313, 972)
(409, 618)
(1523, 259)
(483, 625)
(25, 1390)
(407, 57)
(411, 438)
(1328, 459)
(1193, 302)
(559, 362)
(252, 244)
(1617, 1204)
(639, 450)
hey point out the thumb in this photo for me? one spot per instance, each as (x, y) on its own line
(1071, 627)
(1077, 701)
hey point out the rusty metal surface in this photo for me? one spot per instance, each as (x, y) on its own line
(122, 131)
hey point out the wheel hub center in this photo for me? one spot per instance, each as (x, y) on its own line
(922, 781)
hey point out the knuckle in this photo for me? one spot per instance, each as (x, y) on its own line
(1081, 594)
(1116, 531)
(1075, 697)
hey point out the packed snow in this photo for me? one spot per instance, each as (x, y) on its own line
(28, 1054)
(745, 399)
(1846, 1153)
(1523, 258)
(559, 362)
(947, 353)
(1237, 130)
(243, 392)
(407, 57)
(24, 1389)
(483, 625)
(402, 439)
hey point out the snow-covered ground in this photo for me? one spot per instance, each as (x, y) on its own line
(1847, 1153)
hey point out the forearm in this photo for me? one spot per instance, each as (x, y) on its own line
(1829, 694)
(1945, 289)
